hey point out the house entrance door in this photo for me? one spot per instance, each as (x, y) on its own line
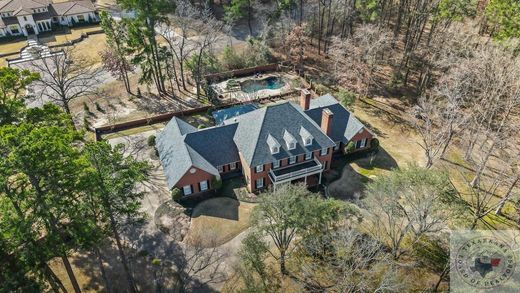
(29, 29)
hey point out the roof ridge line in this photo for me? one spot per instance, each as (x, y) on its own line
(309, 119)
(6, 3)
(259, 130)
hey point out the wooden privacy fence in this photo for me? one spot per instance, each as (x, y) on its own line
(99, 131)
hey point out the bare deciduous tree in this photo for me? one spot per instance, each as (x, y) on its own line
(176, 32)
(356, 58)
(409, 203)
(65, 76)
(346, 261)
(438, 120)
(295, 45)
(198, 265)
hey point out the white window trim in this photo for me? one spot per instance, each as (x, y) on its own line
(275, 150)
(187, 187)
(259, 168)
(276, 164)
(363, 143)
(308, 141)
(336, 147)
(205, 187)
(308, 156)
(261, 180)
(292, 160)
(232, 166)
(220, 169)
(324, 152)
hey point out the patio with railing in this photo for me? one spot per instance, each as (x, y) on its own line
(296, 171)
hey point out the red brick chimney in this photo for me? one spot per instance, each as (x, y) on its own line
(326, 121)
(305, 99)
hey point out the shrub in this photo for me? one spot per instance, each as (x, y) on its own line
(231, 60)
(176, 194)
(397, 79)
(201, 126)
(374, 144)
(156, 262)
(346, 97)
(350, 147)
(98, 107)
(216, 183)
(86, 108)
(151, 140)
(86, 124)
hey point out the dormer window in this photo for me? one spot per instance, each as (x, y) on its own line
(306, 137)
(274, 146)
(290, 141)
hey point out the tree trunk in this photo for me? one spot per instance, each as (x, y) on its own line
(124, 261)
(108, 288)
(70, 273)
(283, 269)
(249, 16)
(482, 166)
(444, 272)
(53, 280)
(506, 197)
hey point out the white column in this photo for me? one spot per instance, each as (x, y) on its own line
(319, 182)
(305, 180)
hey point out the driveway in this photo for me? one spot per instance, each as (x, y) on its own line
(148, 239)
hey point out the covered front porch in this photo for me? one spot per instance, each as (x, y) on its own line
(305, 171)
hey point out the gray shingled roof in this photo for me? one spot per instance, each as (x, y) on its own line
(181, 146)
(344, 124)
(254, 128)
(215, 144)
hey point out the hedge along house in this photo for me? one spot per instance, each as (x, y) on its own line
(273, 145)
(31, 17)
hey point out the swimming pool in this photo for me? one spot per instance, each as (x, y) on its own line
(254, 85)
(224, 114)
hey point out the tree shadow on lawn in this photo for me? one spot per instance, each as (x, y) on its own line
(219, 207)
(349, 186)
(370, 161)
(88, 264)
(350, 183)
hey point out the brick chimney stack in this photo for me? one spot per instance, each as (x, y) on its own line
(305, 99)
(326, 121)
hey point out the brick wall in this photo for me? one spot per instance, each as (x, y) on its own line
(251, 174)
(359, 136)
(193, 179)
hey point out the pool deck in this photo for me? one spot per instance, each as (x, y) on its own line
(237, 94)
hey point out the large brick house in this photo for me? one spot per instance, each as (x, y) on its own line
(280, 143)
(31, 17)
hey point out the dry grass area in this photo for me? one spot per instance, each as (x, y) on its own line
(67, 34)
(13, 46)
(218, 220)
(102, 3)
(90, 47)
(398, 148)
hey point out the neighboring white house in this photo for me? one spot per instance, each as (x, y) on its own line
(26, 17)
